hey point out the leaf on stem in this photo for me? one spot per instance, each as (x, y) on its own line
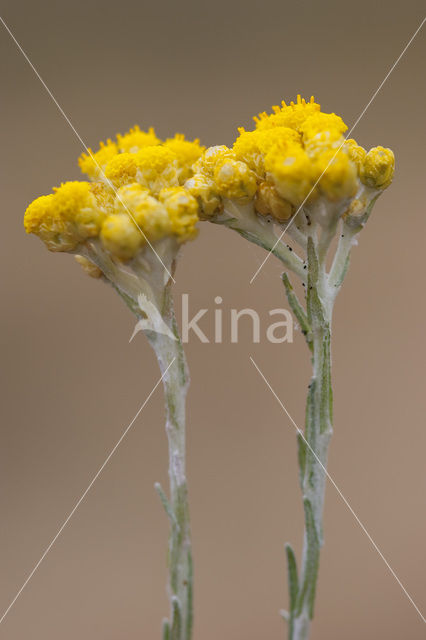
(176, 620)
(313, 303)
(293, 581)
(312, 262)
(326, 406)
(343, 272)
(166, 630)
(298, 310)
(301, 454)
(310, 436)
(190, 615)
(307, 592)
(166, 504)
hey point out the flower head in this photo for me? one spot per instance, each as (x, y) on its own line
(234, 179)
(203, 189)
(136, 196)
(377, 168)
(146, 196)
(133, 215)
(66, 217)
(296, 156)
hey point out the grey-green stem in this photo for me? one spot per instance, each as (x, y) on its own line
(176, 382)
(314, 231)
(313, 444)
(147, 278)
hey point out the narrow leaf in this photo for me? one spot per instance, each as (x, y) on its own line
(314, 307)
(176, 620)
(165, 503)
(326, 406)
(312, 262)
(307, 592)
(298, 310)
(313, 303)
(190, 614)
(310, 435)
(301, 454)
(166, 630)
(293, 581)
(343, 272)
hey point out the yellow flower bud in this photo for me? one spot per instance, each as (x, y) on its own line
(211, 157)
(149, 214)
(320, 122)
(203, 190)
(120, 236)
(104, 195)
(378, 168)
(37, 213)
(355, 151)
(233, 179)
(281, 138)
(129, 197)
(323, 141)
(251, 146)
(44, 220)
(76, 202)
(182, 209)
(121, 169)
(157, 168)
(340, 177)
(246, 149)
(65, 218)
(187, 153)
(292, 172)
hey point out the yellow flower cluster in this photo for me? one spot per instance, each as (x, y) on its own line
(136, 196)
(294, 155)
(143, 189)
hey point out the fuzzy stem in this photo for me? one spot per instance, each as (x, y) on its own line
(176, 382)
(173, 367)
(313, 448)
(318, 431)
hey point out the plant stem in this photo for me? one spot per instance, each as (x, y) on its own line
(148, 284)
(313, 448)
(176, 382)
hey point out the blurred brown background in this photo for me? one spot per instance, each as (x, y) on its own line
(71, 382)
